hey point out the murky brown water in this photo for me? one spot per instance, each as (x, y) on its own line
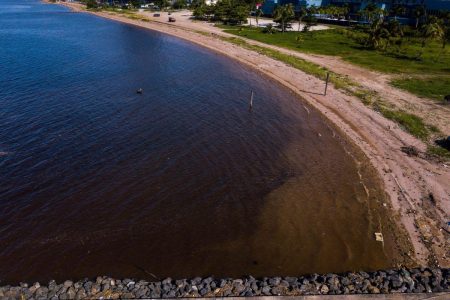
(181, 181)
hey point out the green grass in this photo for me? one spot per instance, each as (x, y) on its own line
(367, 97)
(439, 151)
(298, 63)
(435, 87)
(411, 123)
(336, 43)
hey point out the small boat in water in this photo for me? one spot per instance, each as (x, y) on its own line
(140, 91)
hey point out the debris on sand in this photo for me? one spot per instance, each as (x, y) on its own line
(410, 150)
(379, 237)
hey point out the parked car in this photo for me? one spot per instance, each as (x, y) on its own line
(172, 19)
(156, 15)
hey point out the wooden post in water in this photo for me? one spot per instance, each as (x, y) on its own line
(326, 83)
(250, 108)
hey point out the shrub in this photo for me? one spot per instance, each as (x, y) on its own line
(269, 29)
(91, 4)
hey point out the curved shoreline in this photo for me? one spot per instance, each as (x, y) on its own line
(416, 281)
(407, 180)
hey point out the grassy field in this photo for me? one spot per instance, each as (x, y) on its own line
(334, 42)
(435, 87)
(339, 81)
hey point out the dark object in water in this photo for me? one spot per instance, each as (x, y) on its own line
(140, 91)
(444, 143)
(447, 99)
(410, 150)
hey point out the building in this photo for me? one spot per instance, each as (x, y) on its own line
(432, 6)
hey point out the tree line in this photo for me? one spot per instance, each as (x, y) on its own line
(226, 11)
(383, 33)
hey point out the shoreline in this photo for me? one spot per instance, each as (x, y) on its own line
(407, 180)
(404, 281)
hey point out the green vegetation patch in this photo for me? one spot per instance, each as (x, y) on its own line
(344, 43)
(439, 151)
(411, 123)
(436, 87)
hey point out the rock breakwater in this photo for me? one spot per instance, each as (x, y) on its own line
(423, 280)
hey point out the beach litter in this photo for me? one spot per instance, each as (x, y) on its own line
(410, 150)
(379, 237)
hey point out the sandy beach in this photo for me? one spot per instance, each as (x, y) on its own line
(408, 180)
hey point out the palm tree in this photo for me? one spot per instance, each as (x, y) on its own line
(419, 12)
(283, 14)
(301, 14)
(313, 10)
(431, 31)
(310, 18)
(378, 35)
(372, 12)
(395, 28)
(346, 10)
(397, 10)
(253, 4)
(369, 11)
(258, 14)
(445, 38)
(396, 33)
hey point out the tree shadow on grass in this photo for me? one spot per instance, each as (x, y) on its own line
(398, 56)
